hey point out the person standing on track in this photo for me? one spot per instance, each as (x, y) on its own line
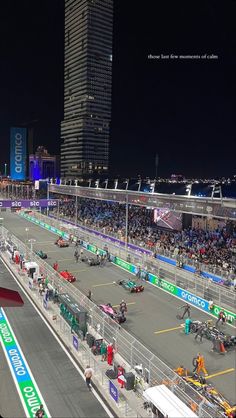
(76, 255)
(88, 373)
(200, 332)
(221, 318)
(123, 307)
(55, 266)
(187, 310)
(81, 254)
(201, 364)
(40, 412)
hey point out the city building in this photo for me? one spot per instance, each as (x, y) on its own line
(85, 130)
(42, 165)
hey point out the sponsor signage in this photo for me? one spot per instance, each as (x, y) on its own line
(163, 284)
(18, 153)
(231, 317)
(48, 203)
(75, 342)
(30, 397)
(113, 391)
(124, 264)
(194, 300)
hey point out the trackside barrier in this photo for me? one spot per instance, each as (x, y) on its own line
(163, 284)
(129, 348)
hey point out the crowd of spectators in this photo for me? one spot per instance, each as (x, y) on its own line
(214, 247)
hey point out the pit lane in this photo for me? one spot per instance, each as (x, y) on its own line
(148, 313)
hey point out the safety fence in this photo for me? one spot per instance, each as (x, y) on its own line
(129, 348)
(151, 270)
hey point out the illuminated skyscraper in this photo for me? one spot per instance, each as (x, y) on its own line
(85, 130)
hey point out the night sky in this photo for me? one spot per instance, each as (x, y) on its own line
(182, 109)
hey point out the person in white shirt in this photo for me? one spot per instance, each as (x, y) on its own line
(88, 373)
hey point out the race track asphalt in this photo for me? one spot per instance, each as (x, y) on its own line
(63, 389)
(149, 312)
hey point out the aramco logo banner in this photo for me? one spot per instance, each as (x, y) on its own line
(18, 153)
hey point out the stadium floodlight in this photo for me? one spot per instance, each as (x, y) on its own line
(139, 182)
(152, 186)
(189, 189)
(127, 184)
(216, 191)
(76, 183)
(90, 181)
(106, 183)
(115, 184)
(97, 183)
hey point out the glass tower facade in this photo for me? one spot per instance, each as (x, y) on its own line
(85, 130)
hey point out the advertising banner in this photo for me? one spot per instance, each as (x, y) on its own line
(124, 264)
(75, 342)
(18, 153)
(231, 317)
(193, 299)
(163, 284)
(20, 371)
(45, 203)
(113, 391)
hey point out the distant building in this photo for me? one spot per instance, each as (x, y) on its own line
(42, 165)
(85, 130)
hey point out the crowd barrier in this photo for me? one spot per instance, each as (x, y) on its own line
(167, 286)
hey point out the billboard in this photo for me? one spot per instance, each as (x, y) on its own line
(18, 153)
(165, 218)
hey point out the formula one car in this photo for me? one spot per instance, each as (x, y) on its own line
(93, 261)
(41, 254)
(110, 311)
(62, 243)
(211, 332)
(68, 276)
(214, 397)
(131, 286)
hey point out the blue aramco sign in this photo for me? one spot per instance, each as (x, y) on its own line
(18, 153)
(193, 299)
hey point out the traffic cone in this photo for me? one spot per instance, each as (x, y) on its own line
(222, 348)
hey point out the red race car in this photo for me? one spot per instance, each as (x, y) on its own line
(68, 276)
(62, 243)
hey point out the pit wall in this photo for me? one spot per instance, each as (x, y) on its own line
(166, 286)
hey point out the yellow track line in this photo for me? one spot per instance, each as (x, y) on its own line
(66, 259)
(168, 330)
(103, 284)
(220, 373)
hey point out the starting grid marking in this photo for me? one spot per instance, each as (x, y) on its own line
(103, 284)
(220, 373)
(25, 383)
(169, 329)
